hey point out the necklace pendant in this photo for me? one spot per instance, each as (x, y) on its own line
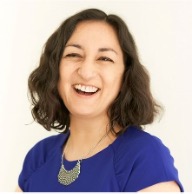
(66, 177)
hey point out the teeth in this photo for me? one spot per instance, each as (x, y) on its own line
(85, 88)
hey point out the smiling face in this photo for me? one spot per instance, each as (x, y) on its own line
(91, 70)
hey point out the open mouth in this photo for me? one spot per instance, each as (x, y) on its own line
(85, 90)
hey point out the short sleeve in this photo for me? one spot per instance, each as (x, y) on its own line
(30, 164)
(36, 157)
(146, 163)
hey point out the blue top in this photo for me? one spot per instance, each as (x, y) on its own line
(135, 160)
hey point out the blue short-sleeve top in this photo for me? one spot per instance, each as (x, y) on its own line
(134, 161)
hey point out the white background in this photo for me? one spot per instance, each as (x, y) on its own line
(163, 34)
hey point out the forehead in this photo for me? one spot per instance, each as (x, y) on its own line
(95, 33)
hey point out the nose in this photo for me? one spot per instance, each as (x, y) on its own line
(87, 70)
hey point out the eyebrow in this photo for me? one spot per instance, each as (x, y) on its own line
(100, 49)
(107, 49)
(74, 45)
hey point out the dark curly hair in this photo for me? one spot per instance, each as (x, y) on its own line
(133, 106)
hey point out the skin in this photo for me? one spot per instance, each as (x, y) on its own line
(90, 60)
(92, 57)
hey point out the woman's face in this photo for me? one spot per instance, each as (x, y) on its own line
(91, 70)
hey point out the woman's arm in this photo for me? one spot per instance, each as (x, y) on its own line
(162, 187)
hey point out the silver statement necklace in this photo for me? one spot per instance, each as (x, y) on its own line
(66, 177)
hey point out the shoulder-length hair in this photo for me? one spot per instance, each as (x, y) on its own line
(133, 106)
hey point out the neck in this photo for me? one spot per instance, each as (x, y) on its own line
(85, 134)
(84, 127)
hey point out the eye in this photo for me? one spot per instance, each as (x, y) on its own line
(72, 55)
(106, 59)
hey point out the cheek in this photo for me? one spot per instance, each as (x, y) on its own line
(114, 81)
(60, 88)
(118, 81)
(62, 82)
(64, 75)
(117, 75)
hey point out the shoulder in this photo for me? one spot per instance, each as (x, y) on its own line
(49, 143)
(39, 154)
(135, 140)
(142, 160)
(43, 149)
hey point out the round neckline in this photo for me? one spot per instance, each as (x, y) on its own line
(91, 157)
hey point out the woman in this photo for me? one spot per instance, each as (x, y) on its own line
(91, 87)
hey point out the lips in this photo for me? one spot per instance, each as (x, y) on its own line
(85, 90)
